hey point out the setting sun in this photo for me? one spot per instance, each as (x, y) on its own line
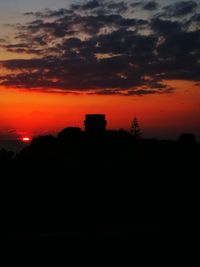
(26, 139)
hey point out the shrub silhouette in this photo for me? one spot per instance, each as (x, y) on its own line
(6, 155)
(187, 139)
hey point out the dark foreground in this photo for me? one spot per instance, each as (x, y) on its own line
(130, 191)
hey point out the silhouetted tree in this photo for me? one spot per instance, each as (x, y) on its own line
(42, 148)
(135, 129)
(187, 139)
(70, 134)
(6, 155)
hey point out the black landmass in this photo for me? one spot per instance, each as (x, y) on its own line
(106, 185)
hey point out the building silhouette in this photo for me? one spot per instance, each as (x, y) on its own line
(95, 123)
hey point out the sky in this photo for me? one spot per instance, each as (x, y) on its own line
(62, 59)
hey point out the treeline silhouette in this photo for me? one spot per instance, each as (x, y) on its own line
(95, 182)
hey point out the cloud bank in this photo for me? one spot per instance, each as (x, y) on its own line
(102, 47)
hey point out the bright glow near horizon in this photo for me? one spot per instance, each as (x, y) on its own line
(26, 139)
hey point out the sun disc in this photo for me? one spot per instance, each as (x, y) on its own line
(26, 139)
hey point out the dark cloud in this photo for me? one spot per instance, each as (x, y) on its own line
(22, 48)
(193, 22)
(90, 5)
(136, 4)
(28, 64)
(107, 92)
(196, 18)
(118, 7)
(149, 91)
(152, 5)
(166, 27)
(101, 7)
(50, 13)
(102, 50)
(180, 9)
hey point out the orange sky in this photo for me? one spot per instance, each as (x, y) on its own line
(167, 115)
(32, 113)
